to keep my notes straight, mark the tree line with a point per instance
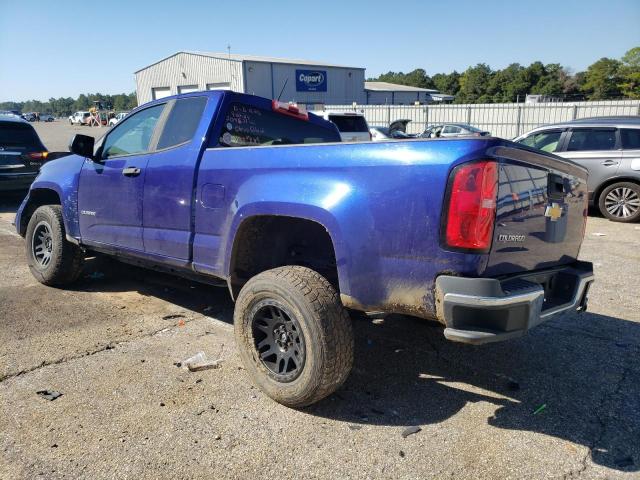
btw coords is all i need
(63, 107)
(605, 79)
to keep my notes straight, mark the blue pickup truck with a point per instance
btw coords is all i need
(477, 233)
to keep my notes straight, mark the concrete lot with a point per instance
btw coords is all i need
(57, 134)
(109, 345)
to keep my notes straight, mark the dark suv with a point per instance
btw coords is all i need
(609, 147)
(21, 153)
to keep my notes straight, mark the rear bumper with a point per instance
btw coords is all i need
(484, 310)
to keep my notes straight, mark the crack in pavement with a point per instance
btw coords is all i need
(602, 424)
(108, 346)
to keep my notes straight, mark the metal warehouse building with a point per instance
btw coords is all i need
(384, 93)
(302, 81)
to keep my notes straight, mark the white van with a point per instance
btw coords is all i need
(353, 126)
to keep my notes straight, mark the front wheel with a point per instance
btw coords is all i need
(295, 337)
(620, 202)
(52, 259)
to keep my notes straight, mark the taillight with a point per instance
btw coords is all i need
(471, 212)
(39, 155)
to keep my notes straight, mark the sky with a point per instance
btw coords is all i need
(54, 48)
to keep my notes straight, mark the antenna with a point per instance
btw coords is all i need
(283, 85)
(230, 68)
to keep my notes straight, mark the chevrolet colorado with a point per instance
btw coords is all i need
(480, 234)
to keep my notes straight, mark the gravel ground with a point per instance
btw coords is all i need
(57, 134)
(109, 345)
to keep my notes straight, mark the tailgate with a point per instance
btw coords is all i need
(541, 212)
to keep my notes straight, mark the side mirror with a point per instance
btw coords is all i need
(82, 145)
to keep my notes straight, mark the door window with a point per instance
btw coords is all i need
(132, 135)
(630, 138)
(182, 122)
(545, 141)
(592, 139)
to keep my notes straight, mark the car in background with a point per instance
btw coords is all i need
(396, 130)
(119, 116)
(29, 117)
(609, 147)
(352, 126)
(446, 130)
(45, 117)
(21, 153)
(79, 118)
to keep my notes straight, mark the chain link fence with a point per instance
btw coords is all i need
(506, 120)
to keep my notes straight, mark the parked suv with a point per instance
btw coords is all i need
(79, 118)
(21, 153)
(352, 126)
(609, 147)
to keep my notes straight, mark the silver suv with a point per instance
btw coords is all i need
(609, 147)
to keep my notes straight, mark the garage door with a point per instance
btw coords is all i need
(160, 92)
(187, 88)
(219, 86)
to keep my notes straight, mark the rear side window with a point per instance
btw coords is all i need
(248, 126)
(545, 141)
(349, 123)
(182, 122)
(630, 138)
(18, 135)
(592, 139)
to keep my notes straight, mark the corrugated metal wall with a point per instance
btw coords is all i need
(268, 79)
(506, 120)
(258, 78)
(188, 69)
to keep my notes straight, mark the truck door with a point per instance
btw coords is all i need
(170, 178)
(111, 189)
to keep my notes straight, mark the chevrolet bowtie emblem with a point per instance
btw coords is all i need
(553, 211)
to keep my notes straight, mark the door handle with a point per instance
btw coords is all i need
(131, 172)
(608, 163)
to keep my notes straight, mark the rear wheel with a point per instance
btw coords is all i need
(52, 259)
(294, 335)
(620, 202)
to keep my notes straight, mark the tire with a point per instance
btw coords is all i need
(620, 202)
(52, 259)
(318, 329)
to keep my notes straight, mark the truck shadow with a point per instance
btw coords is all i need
(579, 383)
(579, 372)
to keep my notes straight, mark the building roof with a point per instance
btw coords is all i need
(394, 87)
(254, 58)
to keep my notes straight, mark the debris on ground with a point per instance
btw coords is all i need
(355, 427)
(540, 409)
(599, 234)
(410, 431)
(50, 395)
(199, 362)
(173, 316)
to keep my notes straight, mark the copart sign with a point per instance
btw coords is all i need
(311, 81)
